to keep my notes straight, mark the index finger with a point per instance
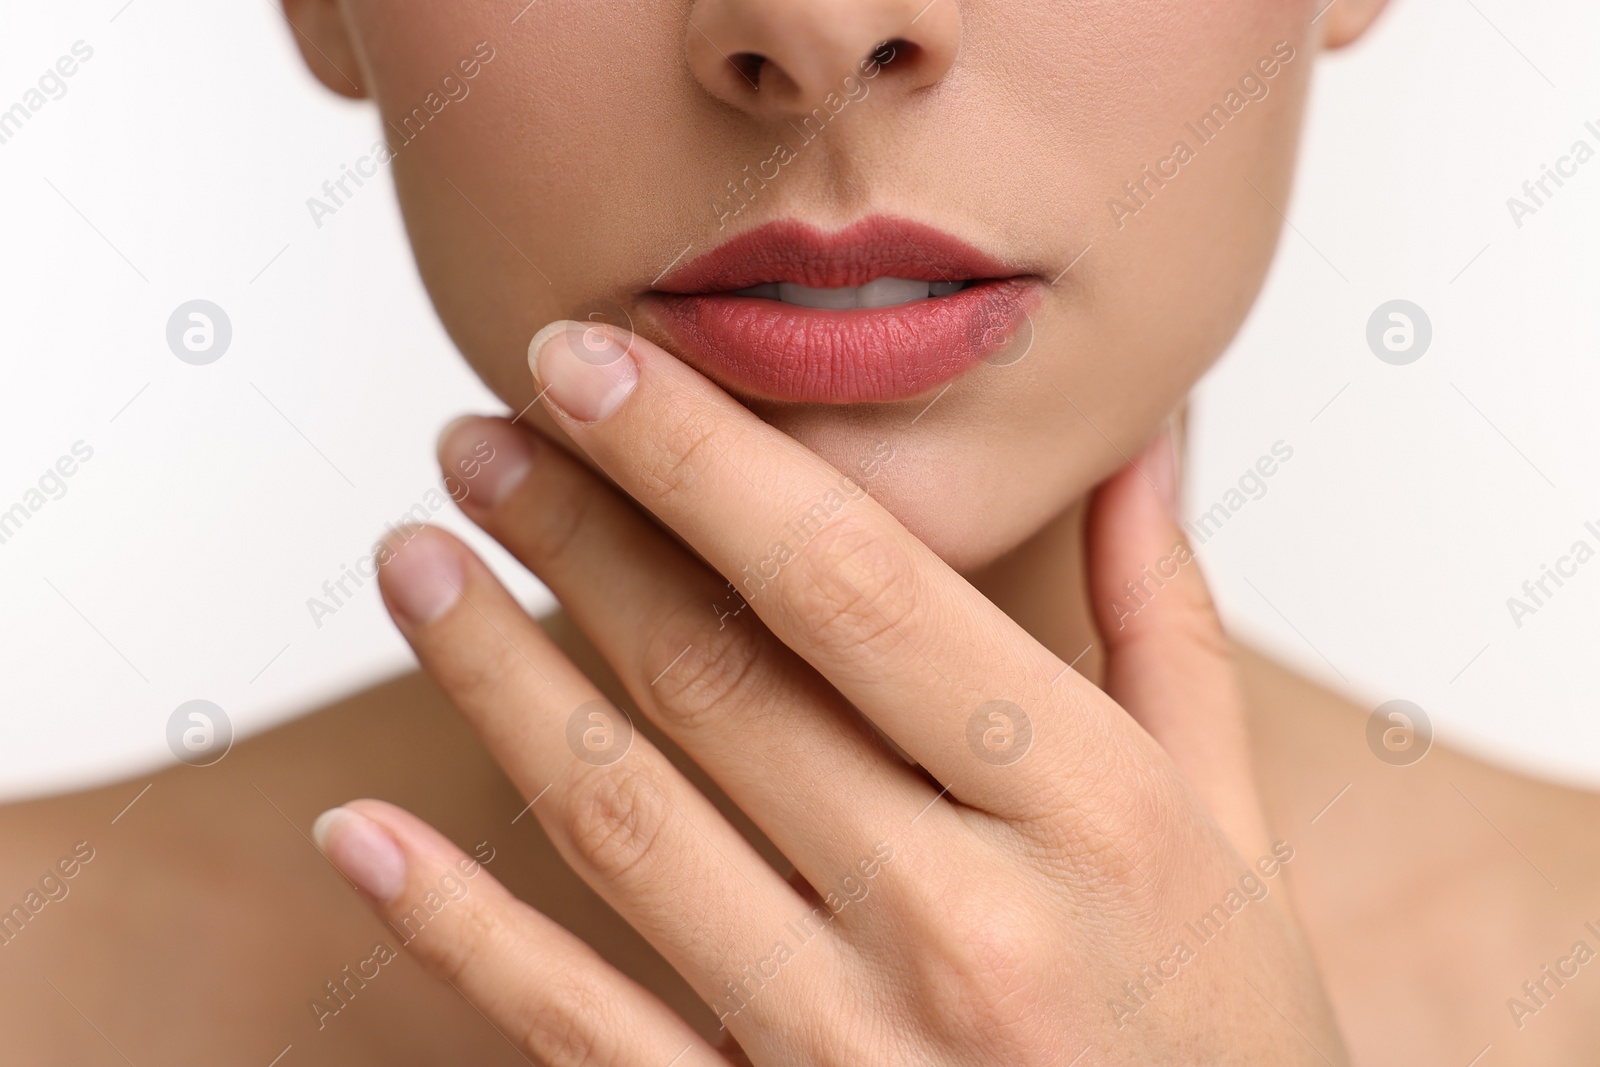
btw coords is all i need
(941, 670)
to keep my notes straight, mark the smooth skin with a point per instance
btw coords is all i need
(207, 928)
(1013, 896)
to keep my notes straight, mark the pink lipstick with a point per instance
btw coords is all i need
(883, 310)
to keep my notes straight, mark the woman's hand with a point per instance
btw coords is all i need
(1071, 877)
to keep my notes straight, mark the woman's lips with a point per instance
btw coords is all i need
(787, 352)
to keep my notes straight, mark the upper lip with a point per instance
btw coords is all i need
(878, 246)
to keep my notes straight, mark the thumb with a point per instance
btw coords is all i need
(1168, 662)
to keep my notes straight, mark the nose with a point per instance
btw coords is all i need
(778, 58)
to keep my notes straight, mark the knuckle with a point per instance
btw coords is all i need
(478, 673)
(1202, 628)
(715, 670)
(617, 824)
(681, 453)
(462, 950)
(855, 591)
(1102, 855)
(982, 978)
(552, 527)
(1193, 624)
(1187, 620)
(565, 1024)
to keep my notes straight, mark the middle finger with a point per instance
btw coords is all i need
(834, 576)
(627, 821)
(784, 745)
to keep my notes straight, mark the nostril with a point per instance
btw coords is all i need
(772, 58)
(896, 50)
(749, 65)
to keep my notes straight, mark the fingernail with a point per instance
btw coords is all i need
(421, 573)
(363, 850)
(1159, 462)
(483, 460)
(582, 369)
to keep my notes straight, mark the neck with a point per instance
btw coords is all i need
(1041, 584)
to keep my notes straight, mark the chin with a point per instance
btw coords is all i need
(991, 520)
(967, 500)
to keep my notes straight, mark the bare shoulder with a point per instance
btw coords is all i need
(185, 916)
(1434, 889)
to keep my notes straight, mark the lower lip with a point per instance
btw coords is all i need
(786, 352)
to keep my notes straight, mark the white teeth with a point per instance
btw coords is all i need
(878, 293)
(826, 299)
(886, 292)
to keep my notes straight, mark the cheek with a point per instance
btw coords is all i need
(1175, 251)
(532, 198)
(540, 196)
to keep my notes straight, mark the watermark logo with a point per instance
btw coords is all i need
(1140, 593)
(52, 485)
(594, 344)
(1538, 192)
(1006, 340)
(406, 127)
(1399, 332)
(1142, 988)
(1251, 485)
(199, 332)
(999, 733)
(199, 733)
(51, 86)
(741, 192)
(352, 578)
(749, 980)
(599, 733)
(1538, 991)
(802, 529)
(1537, 591)
(51, 888)
(1399, 733)
(1253, 87)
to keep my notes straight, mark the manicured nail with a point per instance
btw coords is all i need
(421, 573)
(1159, 463)
(582, 369)
(363, 850)
(483, 460)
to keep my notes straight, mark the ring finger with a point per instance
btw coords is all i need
(636, 830)
(547, 992)
(694, 658)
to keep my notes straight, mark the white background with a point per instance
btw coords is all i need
(178, 563)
